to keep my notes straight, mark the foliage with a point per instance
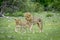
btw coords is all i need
(49, 15)
(16, 14)
(12, 6)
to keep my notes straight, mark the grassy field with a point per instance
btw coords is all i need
(51, 28)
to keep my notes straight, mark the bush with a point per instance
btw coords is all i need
(49, 15)
(18, 14)
(7, 14)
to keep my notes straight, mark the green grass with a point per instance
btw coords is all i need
(51, 28)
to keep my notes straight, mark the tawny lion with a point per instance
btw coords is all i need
(21, 25)
(32, 20)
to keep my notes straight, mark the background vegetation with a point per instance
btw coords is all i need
(11, 7)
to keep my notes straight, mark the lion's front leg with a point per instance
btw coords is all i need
(40, 26)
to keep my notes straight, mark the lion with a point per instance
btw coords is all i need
(21, 25)
(33, 20)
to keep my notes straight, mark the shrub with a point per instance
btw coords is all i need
(49, 15)
(18, 14)
(6, 14)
